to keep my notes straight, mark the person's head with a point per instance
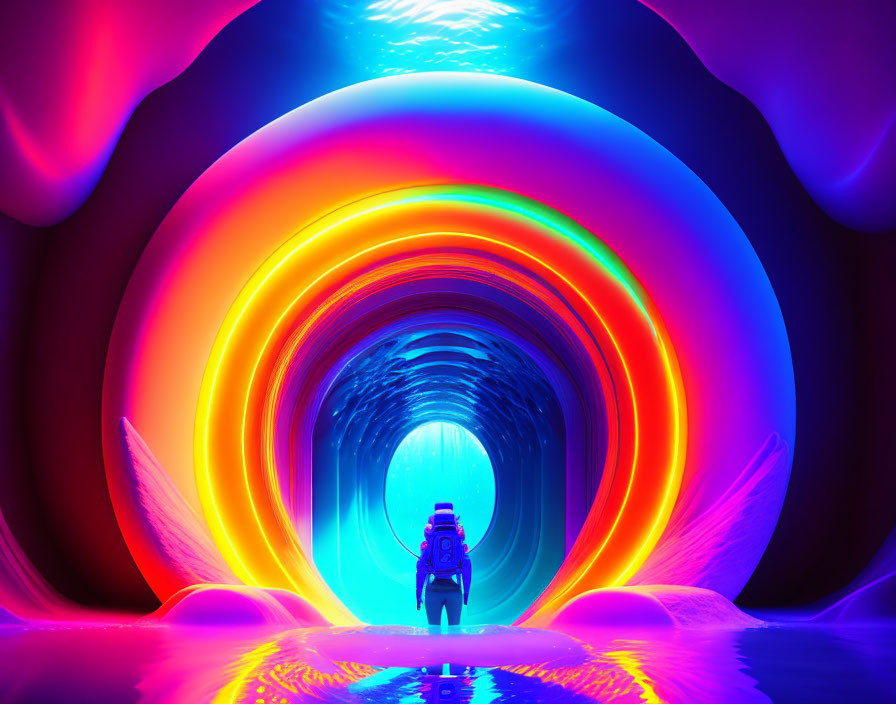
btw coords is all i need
(443, 512)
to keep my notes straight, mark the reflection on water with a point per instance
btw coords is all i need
(669, 667)
(795, 663)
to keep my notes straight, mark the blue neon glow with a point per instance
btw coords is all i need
(406, 36)
(439, 462)
(476, 385)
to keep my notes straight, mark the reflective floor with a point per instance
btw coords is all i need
(787, 663)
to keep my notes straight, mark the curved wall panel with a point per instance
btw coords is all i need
(72, 73)
(812, 69)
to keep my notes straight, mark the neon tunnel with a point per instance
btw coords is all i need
(452, 368)
(312, 312)
(548, 320)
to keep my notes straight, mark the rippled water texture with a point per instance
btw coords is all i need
(401, 36)
(786, 663)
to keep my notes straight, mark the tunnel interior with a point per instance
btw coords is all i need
(471, 357)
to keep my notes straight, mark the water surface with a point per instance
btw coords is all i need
(484, 665)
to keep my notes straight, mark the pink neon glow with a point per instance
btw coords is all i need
(171, 530)
(71, 76)
(714, 536)
(23, 591)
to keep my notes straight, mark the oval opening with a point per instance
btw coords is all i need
(439, 462)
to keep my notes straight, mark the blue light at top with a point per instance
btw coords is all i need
(405, 36)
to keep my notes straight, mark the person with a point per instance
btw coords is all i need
(443, 557)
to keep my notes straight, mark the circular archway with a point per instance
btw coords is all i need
(475, 201)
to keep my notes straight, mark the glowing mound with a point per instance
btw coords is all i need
(7, 618)
(652, 606)
(229, 605)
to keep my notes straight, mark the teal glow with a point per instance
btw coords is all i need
(406, 36)
(449, 371)
(439, 462)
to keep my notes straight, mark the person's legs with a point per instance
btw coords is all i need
(434, 600)
(453, 603)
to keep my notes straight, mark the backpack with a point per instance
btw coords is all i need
(445, 548)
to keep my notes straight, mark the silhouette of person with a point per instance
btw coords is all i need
(443, 557)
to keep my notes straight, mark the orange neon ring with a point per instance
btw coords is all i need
(247, 524)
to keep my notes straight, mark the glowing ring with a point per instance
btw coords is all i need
(392, 276)
(575, 158)
(257, 542)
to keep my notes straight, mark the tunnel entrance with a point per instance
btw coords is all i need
(515, 448)
(439, 461)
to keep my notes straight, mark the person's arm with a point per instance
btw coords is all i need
(421, 574)
(466, 570)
